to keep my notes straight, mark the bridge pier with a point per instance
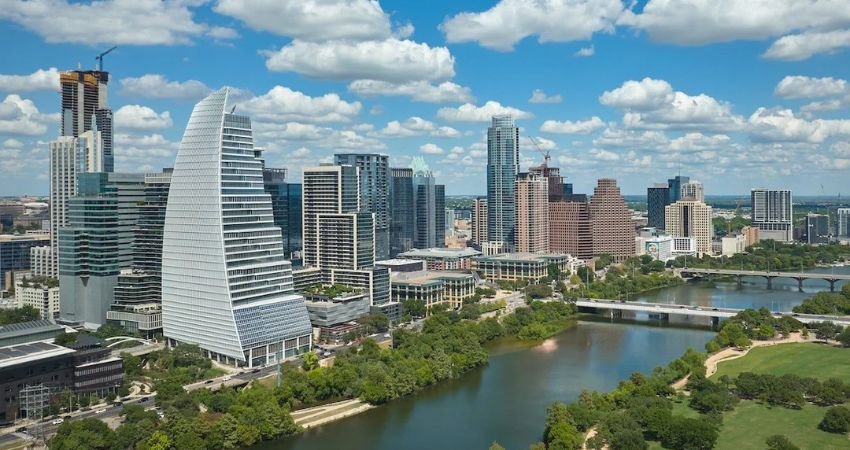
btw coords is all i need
(799, 283)
(831, 285)
(739, 280)
(715, 323)
(769, 282)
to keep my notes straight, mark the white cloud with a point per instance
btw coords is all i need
(573, 127)
(699, 142)
(20, 116)
(123, 22)
(808, 87)
(604, 155)
(391, 60)
(797, 47)
(420, 91)
(824, 105)
(40, 80)
(511, 21)
(222, 33)
(471, 113)
(431, 149)
(283, 104)
(138, 117)
(414, 126)
(274, 134)
(538, 96)
(445, 132)
(13, 143)
(781, 125)
(152, 140)
(158, 86)
(619, 138)
(545, 144)
(312, 20)
(653, 104)
(585, 52)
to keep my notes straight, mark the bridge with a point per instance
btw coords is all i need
(832, 278)
(665, 310)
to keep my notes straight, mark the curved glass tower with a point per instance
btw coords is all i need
(226, 285)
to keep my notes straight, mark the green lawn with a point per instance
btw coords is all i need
(807, 360)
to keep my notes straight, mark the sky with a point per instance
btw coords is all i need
(734, 93)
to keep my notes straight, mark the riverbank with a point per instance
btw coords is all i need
(319, 415)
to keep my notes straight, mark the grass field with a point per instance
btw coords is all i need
(808, 360)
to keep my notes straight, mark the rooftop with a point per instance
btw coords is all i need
(424, 277)
(28, 328)
(437, 252)
(24, 237)
(398, 262)
(525, 256)
(33, 351)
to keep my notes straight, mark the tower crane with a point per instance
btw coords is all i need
(545, 153)
(99, 58)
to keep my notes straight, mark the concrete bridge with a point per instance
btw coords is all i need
(665, 310)
(832, 278)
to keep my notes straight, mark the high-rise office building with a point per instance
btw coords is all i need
(374, 193)
(817, 228)
(226, 284)
(657, 197)
(429, 204)
(286, 208)
(690, 219)
(502, 168)
(692, 190)
(326, 189)
(439, 215)
(675, 185)
(611, 222)
(15, 255)
(346, 240)
(842, 222)
(69, 157)
(479, 222)
(558, 189)
(773, 214)
(401, 215)
(532, 218)
(570, 227)
(84, 108)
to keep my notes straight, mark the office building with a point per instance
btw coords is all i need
(657, 197)
(286, 209)
(502, 168)
(659, 247)
(449, 221)
(521, 266)
(817, 228)
(675, 188)
(402, 265)
(684, 246)
(611, 222)
(41, 261)
(693, 190)
(532, 216)
(732, 245)
(558, 189)
(226, 284)
(842, 222)
(326, 189)
(443, 258)
(429, 205)
(690, 219)
(84, 108)
(479, 222)
(434, 287)
(570, 227)
(40, 293)
(15, 255)
(346, 241)
(401, 214)
(374, 193)
(773, 214)
(751, 235)
(334, 305)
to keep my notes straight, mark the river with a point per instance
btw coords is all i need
(506, 400)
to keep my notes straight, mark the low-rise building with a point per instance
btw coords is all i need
(336, 304)
(732, 245)
(521, 266)
(684, 246)
(434, 287)
(401, 265)
(144, 319)
(658, 247)
(751, 234)
(41, 293)
(443, 258)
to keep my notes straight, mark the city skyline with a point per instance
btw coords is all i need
(619, 96)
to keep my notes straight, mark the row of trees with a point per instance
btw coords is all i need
(771, 255)
(827, 303)
(760, 324)
(15, 315)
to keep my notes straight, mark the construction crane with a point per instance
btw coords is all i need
(99, 58)
(546, 156)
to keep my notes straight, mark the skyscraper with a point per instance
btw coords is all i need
(693, 190)
(773, 214)
(657, 197)
(570, 227)
(84, 108)
(479, 221)
(842, 222)
(690, 219)
(401, 216)
(502, 168)
(675, 185)
(557, 188)
(429, 204)
(532, 221)
(326, 189)
(226, 285)
(286, 209)
(817, 228)
(611, 222)
(374, 193)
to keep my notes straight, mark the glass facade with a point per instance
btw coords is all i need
(374, 193)
(401, 225)
(656, 199)
(286, 209)
(502, 168)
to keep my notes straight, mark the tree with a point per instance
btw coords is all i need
(416, 308)
(826, 330)
(536, 291)
(844, 337)
(496, 446)
(563, 436)
(628, 440)
(374, 323)
(17, 315)
(689, 434)
(132, 364)
(85, 434)
(311, 361)
(603, 261)
(65, 339)
(836, 420)
(780, 442)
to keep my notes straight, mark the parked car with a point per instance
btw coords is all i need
(226, 378)
(100, 411)
(21, 430)
(58, 421)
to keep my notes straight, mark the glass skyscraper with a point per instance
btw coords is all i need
(226, 285)
(502, 168)
(401, 216)
(286, 209)
(374, 193)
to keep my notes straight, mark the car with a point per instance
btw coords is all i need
(226, 378)
(100, 411)
(160, 414)
(118, 403)
(777, 313)
(795, 315)
(21, 430)
(715, 309)
(58, 421)
(386, 335)
(698, 308)
(208, 382)
(144, 399)
(682, 306)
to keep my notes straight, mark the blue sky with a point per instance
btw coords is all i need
(735, 93)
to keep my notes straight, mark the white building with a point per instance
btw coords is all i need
(842, 222)
(684, 246)
(732, 245)
(773, 214)
(658, 247)
(690, 218)
(39, 293)
(226, 285)
(693, 190)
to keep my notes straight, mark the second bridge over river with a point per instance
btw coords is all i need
(831, 278)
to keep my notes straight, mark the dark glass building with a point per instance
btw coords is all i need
(286, 209)
(675, 185)
(657, 198)
(401, 210)
(374, 193)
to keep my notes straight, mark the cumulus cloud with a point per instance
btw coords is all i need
(391, 60)
(573, 127)
(312, 20)
(222, 33)
(604, 155)
(414, 126)
(585, 52)
(538, 96)
(511, 21)
(20, 116)
(138, 117)
(283, 104)
(695, 141)
(419, 91)
(808, 87)
(782, 125)
(124, 22)
(431, 149)
(274, 134)
(471, 113)
(619, 138)
(40, 80)
(159, 87)
(797, 47)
